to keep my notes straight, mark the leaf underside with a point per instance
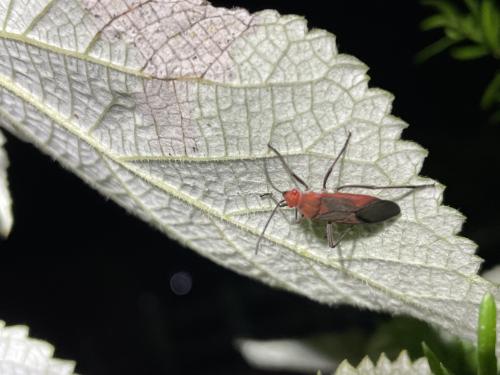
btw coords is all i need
(5, 200)
(167, 108)
(21, 354)
(401, 366)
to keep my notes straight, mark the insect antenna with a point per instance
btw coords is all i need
(287, 167)
(342, 152)
(386, 187)
(278, 205)
(268, 178)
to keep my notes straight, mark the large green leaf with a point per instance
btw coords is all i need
(167, 108)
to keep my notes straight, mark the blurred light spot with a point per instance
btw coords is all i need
(181, 283)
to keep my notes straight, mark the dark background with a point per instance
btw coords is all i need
(94, 281)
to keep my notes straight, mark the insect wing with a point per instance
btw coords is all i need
(378, 211)
(337, 210)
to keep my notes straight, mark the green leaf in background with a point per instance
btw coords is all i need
(486, 337)
(454, 34)
(490, 22)
(435, 364)
(473, 7)
(433, 22)
(471, 29)
(491, 95)
(472, 35)
(446, 8)
(469, 52)
(404, 332)
(434, 49)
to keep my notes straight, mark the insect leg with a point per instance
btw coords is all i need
(329, 234)
(385, 187)
(332, 243)
(331, 239)
(278, 205)
(297, 219)
(342, 152)
(287, 167)
(342, 237)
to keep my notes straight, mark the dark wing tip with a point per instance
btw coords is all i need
(378, 211)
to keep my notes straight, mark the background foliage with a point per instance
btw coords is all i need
(471, 30)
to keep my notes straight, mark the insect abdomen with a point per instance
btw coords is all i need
(378, 211)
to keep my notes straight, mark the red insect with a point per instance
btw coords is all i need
(341, 208)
